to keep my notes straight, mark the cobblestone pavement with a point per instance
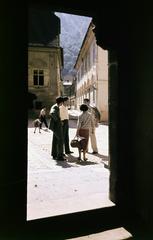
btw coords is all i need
(55, 187)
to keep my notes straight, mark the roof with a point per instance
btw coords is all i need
(43, 27)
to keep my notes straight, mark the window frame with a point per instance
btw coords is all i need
(38, 75)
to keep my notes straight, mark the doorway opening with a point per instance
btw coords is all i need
(64, 59)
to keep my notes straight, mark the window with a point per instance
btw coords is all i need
(82, 70)
(88, 60)
(94, 95)
(85, 64)
(38, 77)
(94, 52)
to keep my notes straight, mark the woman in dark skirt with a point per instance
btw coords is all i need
(85, 122)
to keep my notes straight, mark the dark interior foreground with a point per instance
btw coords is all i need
(128, 36)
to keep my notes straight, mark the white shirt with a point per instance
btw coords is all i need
(64, 113)
(42, 112)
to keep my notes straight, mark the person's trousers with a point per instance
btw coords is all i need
(43, 120)
(57, 145)
(93, 140)
(66, 135)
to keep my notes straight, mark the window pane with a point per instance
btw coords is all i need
(35, 72)
(35, 80)
(41, 80)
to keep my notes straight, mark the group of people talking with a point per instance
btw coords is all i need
(59, 124)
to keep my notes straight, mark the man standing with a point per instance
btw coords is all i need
(56, 127)
(65, 124)
(96, 118)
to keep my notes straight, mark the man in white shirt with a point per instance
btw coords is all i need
(65, 123)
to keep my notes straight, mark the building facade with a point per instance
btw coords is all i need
(69, 89)
(45, 58)
(92, 74)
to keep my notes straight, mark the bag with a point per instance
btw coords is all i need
(75, 143)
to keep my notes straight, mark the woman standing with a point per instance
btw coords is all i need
(85, 122)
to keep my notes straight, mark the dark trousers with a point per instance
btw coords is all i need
(66, 135)
(57, 143)
(43, 120)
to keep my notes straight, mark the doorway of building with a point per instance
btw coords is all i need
(64, 59)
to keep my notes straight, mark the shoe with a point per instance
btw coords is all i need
(54, 157)
(69, 152)
(94, 152)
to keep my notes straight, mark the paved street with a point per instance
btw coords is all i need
(55, 187)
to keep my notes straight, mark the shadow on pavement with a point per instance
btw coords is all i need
(85, 163)
(71, 159)
(63, 164)
(103, 157)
